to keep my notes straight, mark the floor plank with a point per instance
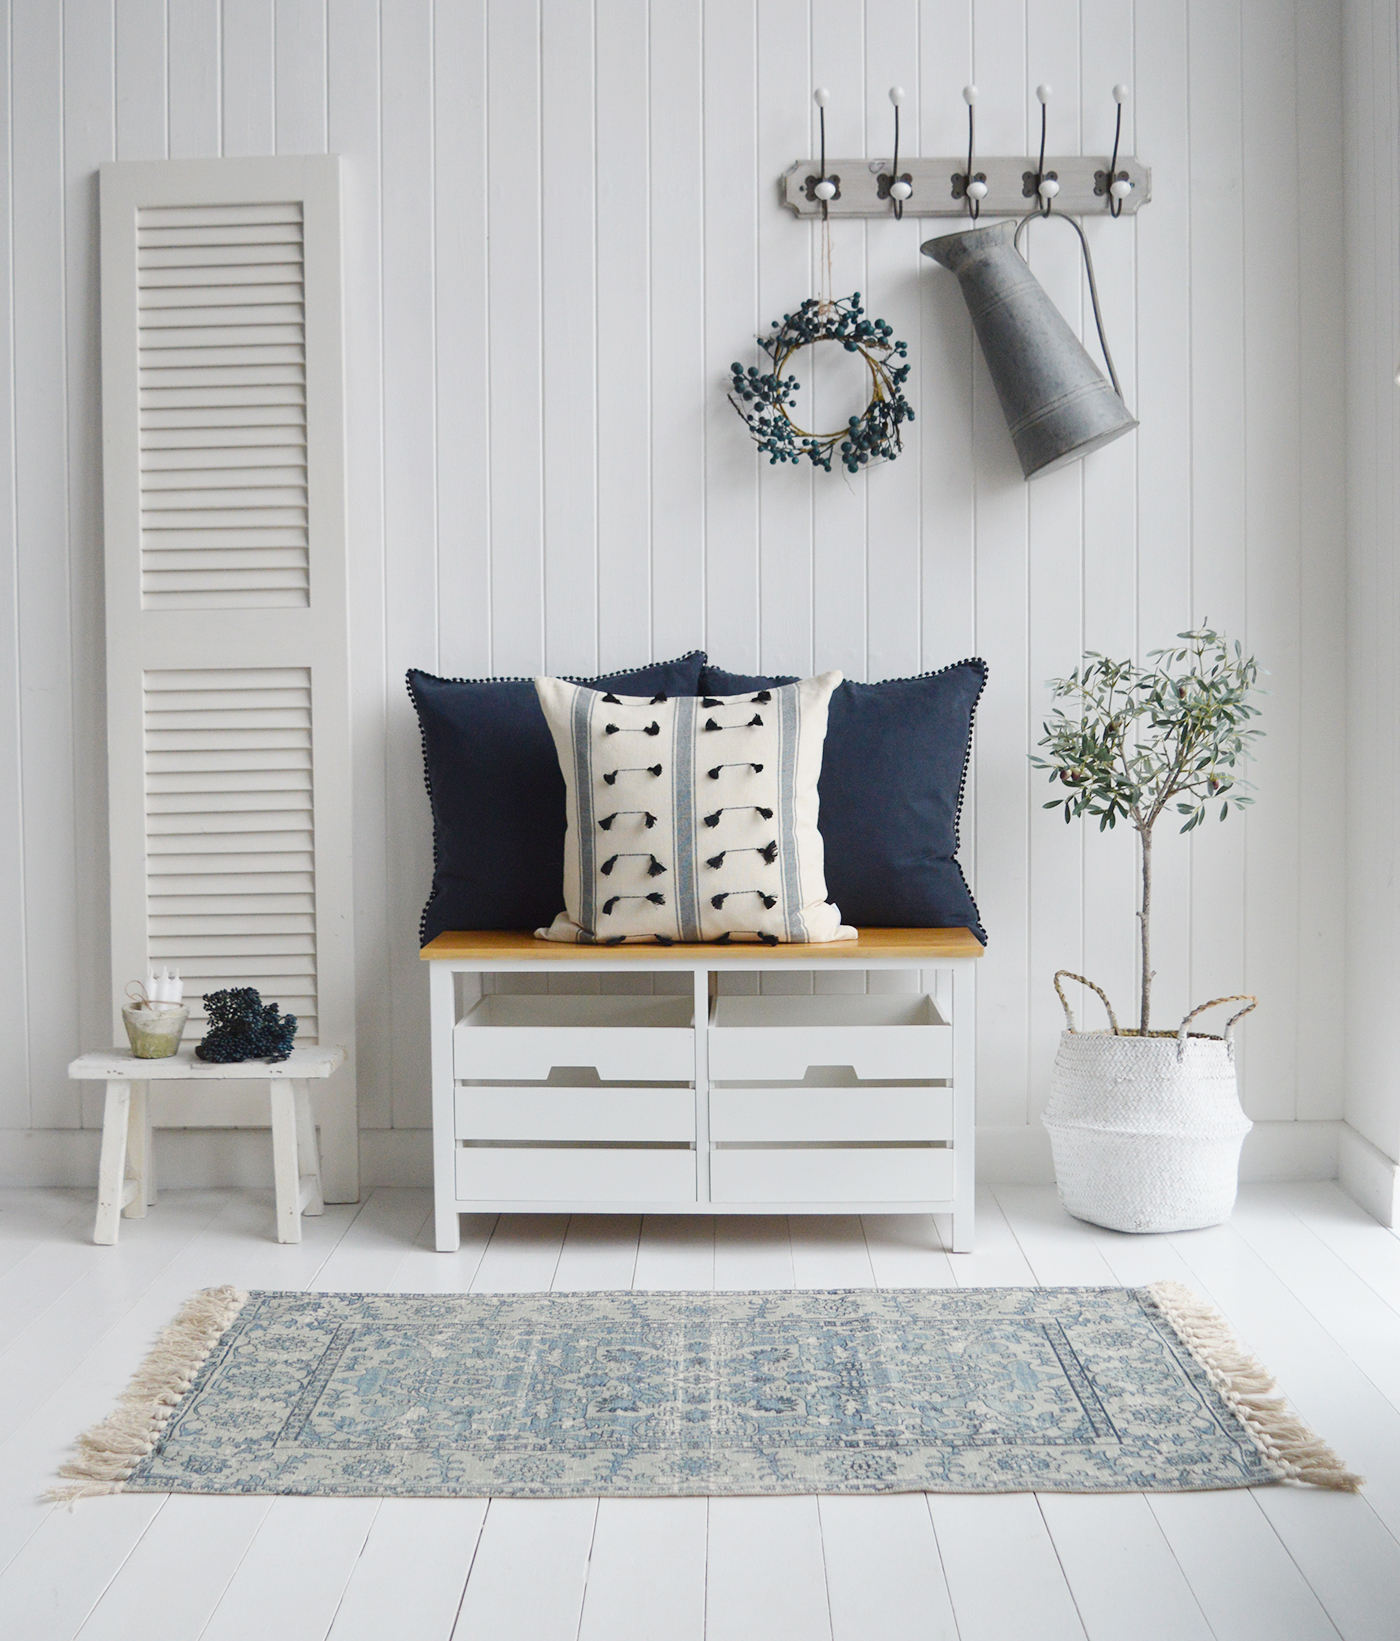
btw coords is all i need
(47, 1592)
(599, 1252)
(675, 1252)
(1247, 1584)
(522, 1254)
(370, 1254)
(883, 1574)
(997, 1260)
(169, 1586)
(1055, 1247)
(646, 1576)
(906, 1251)
(1120, 1569)
(829, 1251)
(530, 1569)
(753, 1251)
(410, 1575)
(1003, 1575)
(1348, 1558)
(1350, 1232)
(766, 1577)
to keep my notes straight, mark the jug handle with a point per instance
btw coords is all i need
(1039, 216)
(1069, 1013)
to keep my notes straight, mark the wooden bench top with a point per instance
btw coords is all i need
(116, 1062)
(907, 945)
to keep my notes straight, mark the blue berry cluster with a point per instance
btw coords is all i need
(243, 1027)
(763, 399)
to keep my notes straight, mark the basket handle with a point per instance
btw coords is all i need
(1069, 1012)
(1215, 1002)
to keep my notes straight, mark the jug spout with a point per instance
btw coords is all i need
(1057, 404)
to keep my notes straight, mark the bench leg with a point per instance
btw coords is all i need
(111, 1170)
(138, 1152)
(308, 1152)
(285, 1175)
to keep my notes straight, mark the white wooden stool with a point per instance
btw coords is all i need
(126, 1181)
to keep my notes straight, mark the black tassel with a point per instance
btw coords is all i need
(655, 899)
(656, 868)
(725, 938)
(717, 901)
(767, 939)
(714, 820)
(653, 728)
(763, 697)
(716, 860)
(610, 729)
(615, 940)
(610, 779)
(663, 940)
(756, 722)
(770, 901)
(714, 773)
(658, 699)
(712, 701)
(770, 851)
(612, 700)
(609, 904)
(608, 864)
(605, 821)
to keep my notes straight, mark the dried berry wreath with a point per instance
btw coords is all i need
(243, 1027)
(763, 400)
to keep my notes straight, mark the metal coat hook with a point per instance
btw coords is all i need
(1040, 184)
(890, 184)
(1114, 182)
(969, 185)
(823, 188)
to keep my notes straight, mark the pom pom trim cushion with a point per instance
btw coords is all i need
(892, 783)
(496, 794)
(692, 818)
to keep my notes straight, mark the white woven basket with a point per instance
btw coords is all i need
(1146, 1131)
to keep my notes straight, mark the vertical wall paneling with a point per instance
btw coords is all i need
(299, 76)
(410, 523)
(1371, 101)
(1055, 564)
(353, 116)
(44, 574)
(1321, 688)
(568, 271)
(88, 110)
(14, 1023)
(560, 226)
(1002, 503)
(194, 46)
(680, 359)
(1218, 455)
(249, 77)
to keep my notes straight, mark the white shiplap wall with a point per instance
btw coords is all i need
(561, 226)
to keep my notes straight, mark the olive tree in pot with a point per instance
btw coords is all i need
(1145, 1125)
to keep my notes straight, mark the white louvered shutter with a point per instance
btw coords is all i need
(227, 643)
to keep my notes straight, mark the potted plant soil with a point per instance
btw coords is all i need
(1146, 1125)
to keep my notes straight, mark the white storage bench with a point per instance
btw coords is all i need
(692, 1101)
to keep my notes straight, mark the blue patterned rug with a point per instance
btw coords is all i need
(974, 1390)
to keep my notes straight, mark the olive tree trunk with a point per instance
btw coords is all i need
(1144, 920)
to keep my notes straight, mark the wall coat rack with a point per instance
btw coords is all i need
(1078, 184)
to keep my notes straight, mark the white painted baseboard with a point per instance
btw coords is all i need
(403, 1156)
(1368, 1176)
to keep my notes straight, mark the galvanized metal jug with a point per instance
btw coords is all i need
(1056, 402)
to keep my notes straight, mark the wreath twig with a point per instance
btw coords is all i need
(763, 400)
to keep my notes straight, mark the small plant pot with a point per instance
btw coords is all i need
(155, 1033)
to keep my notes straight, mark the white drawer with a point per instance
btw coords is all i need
(624, 1039)
(830, 1174)
(796, 1114)
(885, 1037)
(557, 1174)
(556, 1113)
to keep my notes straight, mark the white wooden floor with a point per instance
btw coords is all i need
(1307, 1279)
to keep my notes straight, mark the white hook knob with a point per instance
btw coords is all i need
(1049, 188)
(900, 190)
(825, 189)
(896, 95)
(1043, 92)
(1120, 188)
(969, 94)
(1120, 93)
(821, 96)
(977, 190)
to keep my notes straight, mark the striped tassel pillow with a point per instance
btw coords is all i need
(692, 818)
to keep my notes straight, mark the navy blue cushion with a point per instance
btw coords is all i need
(497, 795)
(891, 790)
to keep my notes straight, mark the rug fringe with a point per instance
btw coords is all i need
(1290, 1449)
(111, 1450)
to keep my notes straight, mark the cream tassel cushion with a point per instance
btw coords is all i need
(693, 818)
